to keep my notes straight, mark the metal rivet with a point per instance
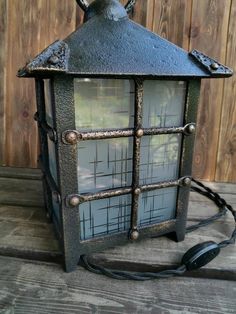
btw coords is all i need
(187, 181)
(53, 59)
(137, 191)
(74, 201)
(134, 235)
(191, 128)
(71, 137)
(215, 66)
(139, 133)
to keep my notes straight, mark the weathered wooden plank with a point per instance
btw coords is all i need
(21, 192)
(30, 28)
(172, 20)
(35, 288)
(20, 173)
(209, 35)
(226, 163)
(3, 54)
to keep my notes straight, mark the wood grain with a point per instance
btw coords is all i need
(3, 53)
(30, 29)
(226, 162)
(172, 20)
(209, 35)
(31, 287)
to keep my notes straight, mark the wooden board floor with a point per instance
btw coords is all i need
(25, 232)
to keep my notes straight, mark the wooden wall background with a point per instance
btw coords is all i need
(28, 26)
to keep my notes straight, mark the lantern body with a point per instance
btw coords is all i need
(117, 108)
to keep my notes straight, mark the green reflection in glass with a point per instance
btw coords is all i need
(103, 104)
(163, 103)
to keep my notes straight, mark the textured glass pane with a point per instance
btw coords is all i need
(103, 104)
(103, 217)
(105, 164)
(160, 155)
(157, 206)
(163, 103)
(48, 102)
(52, 159)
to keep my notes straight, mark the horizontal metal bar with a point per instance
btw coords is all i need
(104, 194)
(105, 134)
(46, 128)
(111, 133)
(118, 192)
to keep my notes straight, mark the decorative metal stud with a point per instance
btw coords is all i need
(190, 129)
(71, 137)
(74, 201)
(187, 181)
(134, 235)
(139, 133)
(215, 66)
(53, 60)
(137, 191)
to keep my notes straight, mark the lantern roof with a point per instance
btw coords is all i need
(110, 44)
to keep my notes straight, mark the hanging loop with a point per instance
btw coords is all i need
(84, 5)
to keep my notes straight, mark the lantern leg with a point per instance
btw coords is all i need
(177, 236)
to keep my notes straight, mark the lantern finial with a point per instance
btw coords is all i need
(101, 6)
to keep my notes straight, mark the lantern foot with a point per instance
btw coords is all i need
(177, 236)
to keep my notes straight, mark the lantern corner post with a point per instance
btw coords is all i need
(190, 117)
(63, 91)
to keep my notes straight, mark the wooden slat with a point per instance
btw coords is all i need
(31, 288)
(172, 20)
(20, 173)
(209, 35)
(226, 163)
(21, 192)
(3, 54)
(31, 27)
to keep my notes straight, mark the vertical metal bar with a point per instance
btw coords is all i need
(41, 109)
(186, 159)
(136, 157)
(63, 91)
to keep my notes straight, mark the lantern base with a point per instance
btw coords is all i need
(177, 236)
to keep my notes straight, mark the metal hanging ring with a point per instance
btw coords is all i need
(84, 5)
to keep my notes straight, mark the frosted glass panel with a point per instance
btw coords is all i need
(105, 164)
(103, 217)
(52, 159)
(163, 103)
(160, 156)
(103, 104)
(157, 206)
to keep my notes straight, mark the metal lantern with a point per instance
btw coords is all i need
(116, 109)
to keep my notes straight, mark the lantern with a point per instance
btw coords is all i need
(116, 109)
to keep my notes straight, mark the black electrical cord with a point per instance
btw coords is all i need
(198, 256)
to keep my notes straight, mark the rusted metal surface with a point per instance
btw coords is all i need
(96, 49)
(52, 59)
(84, 5)
(138, 117)
(215, 68)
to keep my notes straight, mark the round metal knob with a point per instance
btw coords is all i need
(74, 201)
(215, 66)
(139, 133)
(187, 181)
(190, 129)
(134, 235)
(137, 191)
(71, 137)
